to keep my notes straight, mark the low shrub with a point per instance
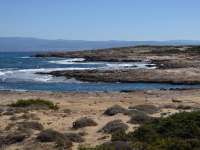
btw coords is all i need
(36, 103)
(50, 135)
(30, 125)
(83, 122)
(114, 110)
(180, 131)
(74, 137)
(114, 126)
(140, 119)
(146, 108)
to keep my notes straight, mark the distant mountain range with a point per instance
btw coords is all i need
(9, 44)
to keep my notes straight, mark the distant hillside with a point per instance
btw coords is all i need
(34, 44)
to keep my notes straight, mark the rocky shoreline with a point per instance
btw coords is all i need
(174, 64)
(178, 76)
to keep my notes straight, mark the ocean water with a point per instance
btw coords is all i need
(18, 72)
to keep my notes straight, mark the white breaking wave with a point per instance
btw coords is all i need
(1, 73)
(30, 75)
(130, 66)
(67, 61)
(120, 65)
(104, 65)
(25, 57)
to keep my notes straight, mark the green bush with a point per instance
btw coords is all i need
(180, 131)
(34, 103)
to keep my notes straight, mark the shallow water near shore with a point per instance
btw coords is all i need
(17, 72)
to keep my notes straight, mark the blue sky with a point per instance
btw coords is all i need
(101, 19)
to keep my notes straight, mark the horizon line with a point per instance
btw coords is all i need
(171, 40)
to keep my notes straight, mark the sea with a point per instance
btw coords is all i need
(18, 73)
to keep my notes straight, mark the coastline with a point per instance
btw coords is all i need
(171, 64)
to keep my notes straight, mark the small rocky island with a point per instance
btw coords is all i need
(172, 64)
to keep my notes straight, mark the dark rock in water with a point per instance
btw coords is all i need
(140, 119)
(114, 110)
(83, 122)
(149, 109)
(53, 136)
(117, 145)
(74, 137)
(114, 126)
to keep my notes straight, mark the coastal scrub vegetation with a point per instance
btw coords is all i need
(180, 131)
(83, 122)
(35, 103)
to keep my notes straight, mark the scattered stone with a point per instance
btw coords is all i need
(114, 110)
(84, 122)
(114, 126)
(147, 108)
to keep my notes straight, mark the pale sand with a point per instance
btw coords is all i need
(93, 105)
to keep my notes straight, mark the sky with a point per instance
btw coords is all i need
(101, 19)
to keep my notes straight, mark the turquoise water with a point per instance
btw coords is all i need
(17, 72)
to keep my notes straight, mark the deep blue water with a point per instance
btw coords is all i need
(17, 72)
